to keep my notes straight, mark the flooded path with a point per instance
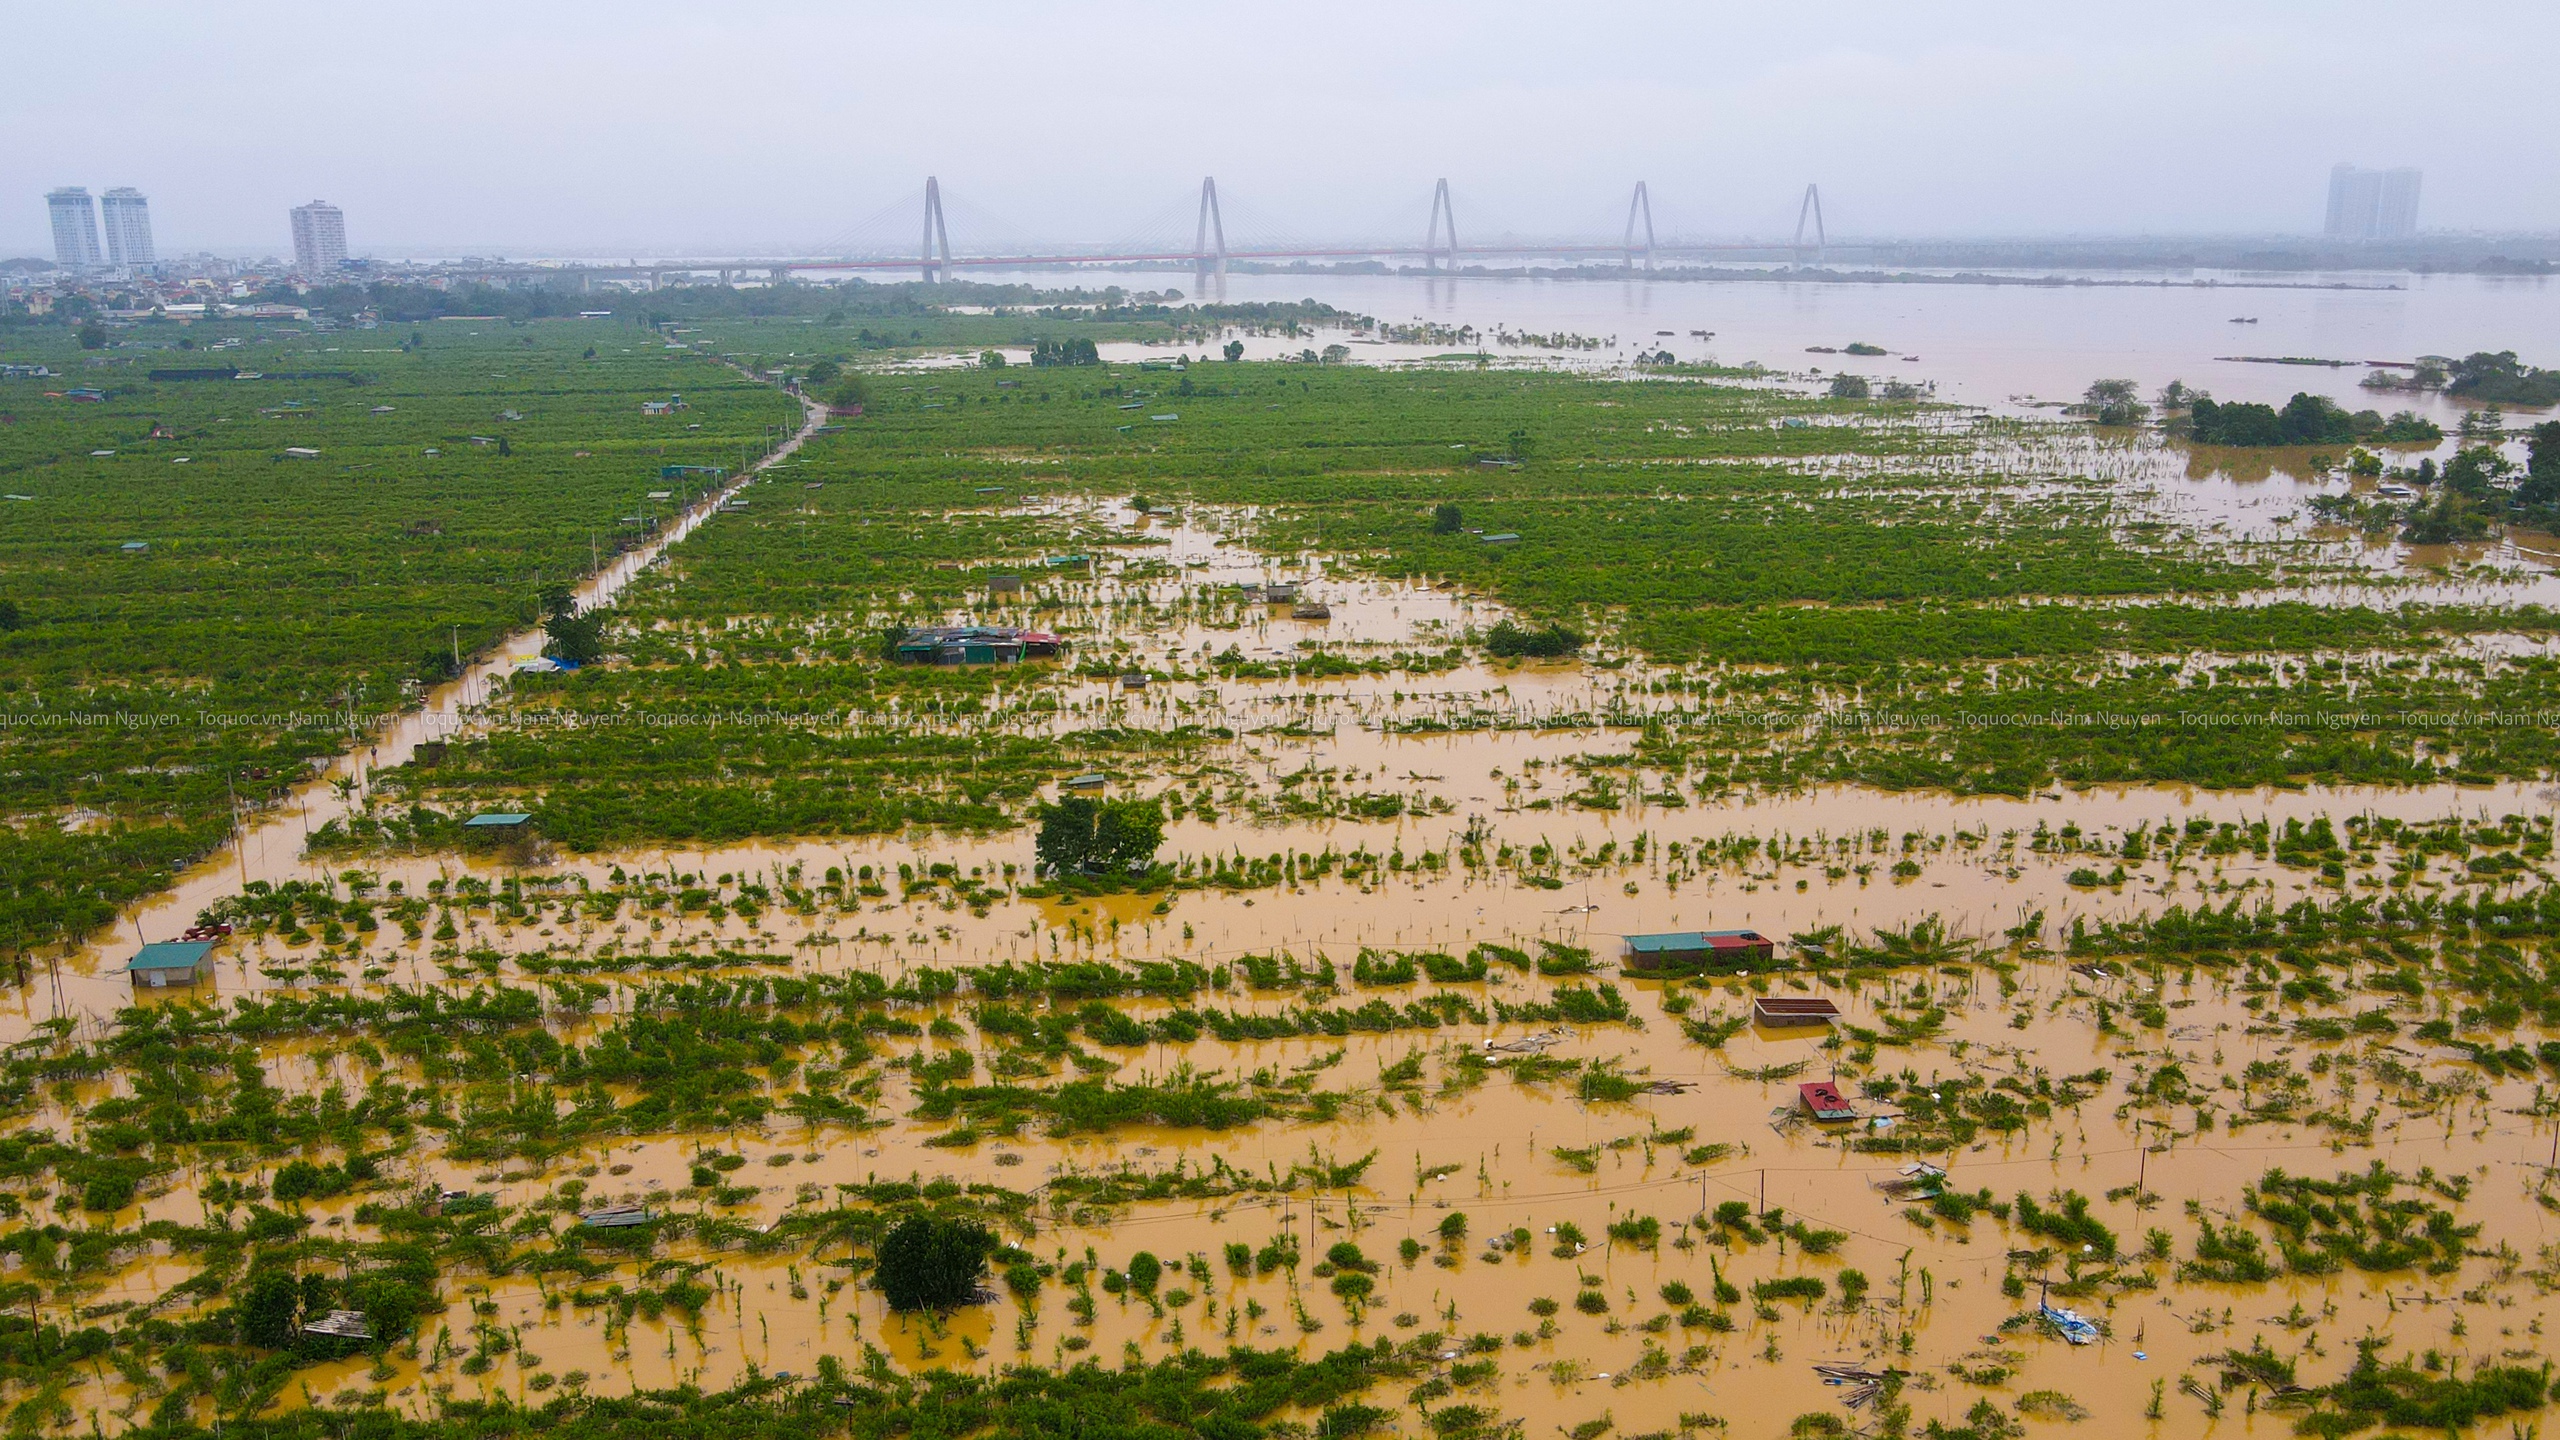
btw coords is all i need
(269, 845)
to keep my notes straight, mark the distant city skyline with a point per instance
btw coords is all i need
(1981, 119)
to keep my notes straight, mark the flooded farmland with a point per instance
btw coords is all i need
(2146, 1093)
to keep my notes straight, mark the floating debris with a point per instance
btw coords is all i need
(1537, 1044)
(344, 1324)
(1917, 1181)
(2071, 1325)
(1862, 1383)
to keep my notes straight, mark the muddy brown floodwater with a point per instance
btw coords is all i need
(1512, 1147)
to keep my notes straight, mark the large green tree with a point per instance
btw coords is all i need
(1081, 834)
(2542, 471)
(929, 1263)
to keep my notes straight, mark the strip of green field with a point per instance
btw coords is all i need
(1855, 599)
(205, 574)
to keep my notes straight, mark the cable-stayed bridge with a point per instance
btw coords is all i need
(1211, 247)
(1207, 234)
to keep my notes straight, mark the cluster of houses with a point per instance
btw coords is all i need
(1738, 953)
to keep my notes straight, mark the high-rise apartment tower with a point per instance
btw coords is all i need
(128, 217)
(2372, 204)
(75, 228)
(319, 238)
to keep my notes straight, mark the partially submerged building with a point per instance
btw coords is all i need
(498, 828)
(976, 645)
(168, 962)
(1690, 952)
(1824, 1102)
(1789, 1012)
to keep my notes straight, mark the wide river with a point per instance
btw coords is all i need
(1999, 345)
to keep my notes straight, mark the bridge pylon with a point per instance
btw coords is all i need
(1441, 205)
(1213, 228)
(1812, 207)
(935, 231)
(1642, 205)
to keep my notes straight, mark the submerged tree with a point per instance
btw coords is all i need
(268, 1310)
(2541, 485)
(1514, 641)
(929, 1263)
(1080, 834)
(2306, 419)
(2114, 402)
(1074, 350)
(578, 639)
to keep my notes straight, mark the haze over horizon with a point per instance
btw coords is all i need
(655, 128)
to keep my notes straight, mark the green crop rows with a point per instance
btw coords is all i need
(142, 688)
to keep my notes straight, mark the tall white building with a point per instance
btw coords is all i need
(128, 217)
(2396, 217)
(2372, 204)
(75, 228)
(319, 238)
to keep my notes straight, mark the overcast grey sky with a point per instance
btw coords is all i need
(744, 125)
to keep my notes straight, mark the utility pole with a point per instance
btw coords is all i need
(239, 831)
